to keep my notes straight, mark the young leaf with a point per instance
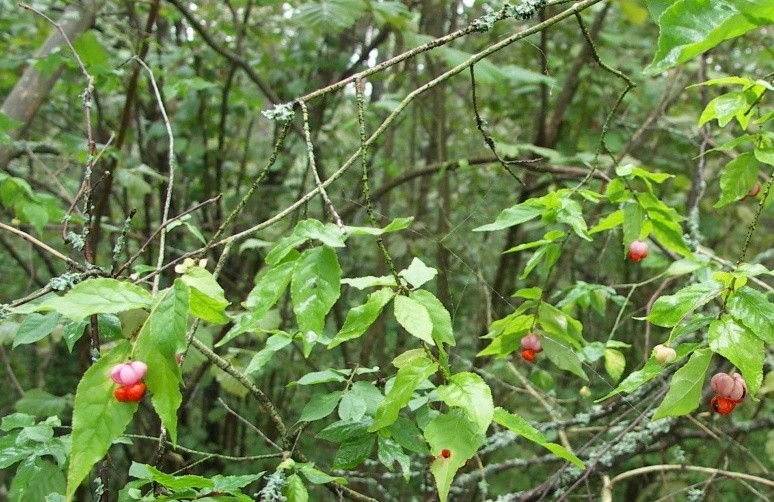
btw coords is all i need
(738, 344)
(469, 392)
(615, 363)
(360, 318)
(685, 389)
(315, 287)
(519, 426)
(418, 273)
(442, 324)
(414, 317)
(98, 418)
(295, 491)
(454, 432)
(98, 296)
(207, 300)
(409, 377)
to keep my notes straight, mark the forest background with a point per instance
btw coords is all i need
(382, 250)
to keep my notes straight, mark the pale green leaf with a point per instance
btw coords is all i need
(414, 317)
(469, 392)
(686, 386)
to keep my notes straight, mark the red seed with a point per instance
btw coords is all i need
(528, 355)
(445, 453)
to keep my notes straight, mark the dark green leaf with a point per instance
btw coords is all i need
(513, 216)
(738, 178)
(354, 452)
(563, 357)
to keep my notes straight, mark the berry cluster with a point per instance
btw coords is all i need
(729, 391)
(530, 346)
(129, 378)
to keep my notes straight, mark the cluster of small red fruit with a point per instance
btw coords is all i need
(129, 378)
(729, 391)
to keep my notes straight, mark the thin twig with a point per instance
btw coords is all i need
(42, 245)
(313, 167)
(249, 424)
(170, 174)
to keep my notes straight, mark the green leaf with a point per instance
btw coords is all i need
(352, 406)
(514, 215)
(740, 346)
(738, 178)
(295, 491)
(408, 436)
(36, 480)
(394, 226)
(563, 357)
(414, 317)
(370, 281)
(162, 335)
(519, 426)
(563, 326)
(443, 331)
(353, 452)
(418, 273)
(98, 296)
(615, 363)
(270, 285)
(409, 377)
(327, 233)
(469, 392)
(389, 452)
(685, 389)
(751, 308)
(360, 318)
(725, 107)
(35, 327)
(332, 16)
(571, 214)
(690, 27)
(41, 403)
(315, 288)
(317, 476)
(324, 376)
(669, 310)
(648, 372)
(612, 220)
(343, 430)
(98, 418)
(454, 432)
(320, 406)
(274, 344)
(207, 300)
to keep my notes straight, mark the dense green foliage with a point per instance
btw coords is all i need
(327, 227)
